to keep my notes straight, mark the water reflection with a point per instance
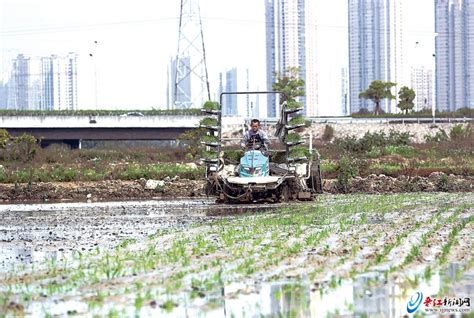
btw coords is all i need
(369, 295)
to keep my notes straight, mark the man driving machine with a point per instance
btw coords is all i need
(255, 137)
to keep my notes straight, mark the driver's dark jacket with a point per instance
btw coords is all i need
(258, 138)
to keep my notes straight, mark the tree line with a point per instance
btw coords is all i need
(379, 90)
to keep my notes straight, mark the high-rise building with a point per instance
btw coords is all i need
(44, 83)
(454, 25)
(3, 95)
(375, 49)
(69, 80)
(345, 92)
(233, 80)
(20, 83)
(47, 83)
(422, 84)
(229, 106)
(58, 82)
(179, 94)
(291, 42)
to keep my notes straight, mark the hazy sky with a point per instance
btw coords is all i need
(136, 40)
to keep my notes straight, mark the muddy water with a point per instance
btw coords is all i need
(33, 233)
(30, 234)
(367, 295)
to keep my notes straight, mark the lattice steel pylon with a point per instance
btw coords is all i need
(191, 82)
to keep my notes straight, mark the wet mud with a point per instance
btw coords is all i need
(32, 233)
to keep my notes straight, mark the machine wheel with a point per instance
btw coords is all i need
(315, 180)
(211, 185)
(285, 193)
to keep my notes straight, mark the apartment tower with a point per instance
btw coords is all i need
(291, 42)
(375, 49)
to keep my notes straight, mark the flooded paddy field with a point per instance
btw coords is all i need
(342, 255)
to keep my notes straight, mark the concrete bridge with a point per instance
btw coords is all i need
(72, 130)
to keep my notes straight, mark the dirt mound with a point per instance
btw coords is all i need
(109, 190)
(114, 190)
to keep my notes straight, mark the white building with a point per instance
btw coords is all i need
(422, 82)
(237, 80)
(45, 83)
(345, 110)
(291, 42)
(454, 54)
(179, 93)
(375, 49)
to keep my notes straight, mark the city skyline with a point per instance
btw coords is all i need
(132, 72)
(42, 83)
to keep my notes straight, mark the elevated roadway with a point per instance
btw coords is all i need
(73, 129)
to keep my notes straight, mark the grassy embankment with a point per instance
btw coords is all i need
(392, 154)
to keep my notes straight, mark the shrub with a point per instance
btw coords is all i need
(372, 141)
(328, 133)
(328, 167)
(457, 131)
(346, 169)
(25, 147)
(443, 183)
(210, 105)
(134, 172)
(3, 174)
(62, 174)
(191, 139)
(440, 136)
(405, 151)
(4, 138)
(374, 153)
(93, 175)
(397, 138)
(387, 168)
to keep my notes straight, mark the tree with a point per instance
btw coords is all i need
(377, 91)
(289, 83)
(291, 86)
(406, 96)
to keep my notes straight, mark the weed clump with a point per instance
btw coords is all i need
(372, 141)
(346, 170)
(443, 183)
(328, 133)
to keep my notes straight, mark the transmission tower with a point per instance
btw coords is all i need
(191, 84)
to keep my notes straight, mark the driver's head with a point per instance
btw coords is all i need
(255, 125)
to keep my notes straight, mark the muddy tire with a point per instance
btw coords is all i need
(285, 193)
(212, 185)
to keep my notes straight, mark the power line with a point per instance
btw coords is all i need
(78, 27)
(236, 21)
